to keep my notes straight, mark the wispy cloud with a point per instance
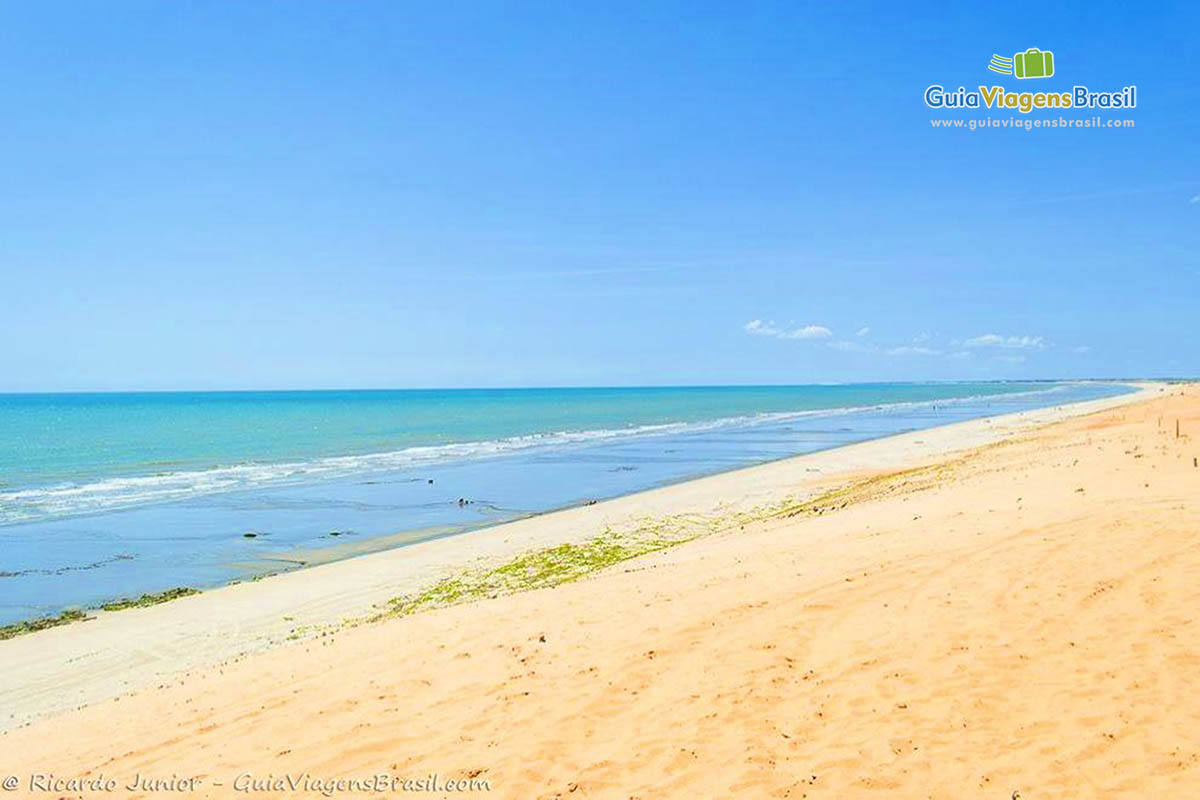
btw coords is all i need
(1083, 348)
(809, 332)
(1128, 191)
(923, 345)
(1007, 342)
(849, 346)
(1195, 199)
(914, 350)
(758, 327)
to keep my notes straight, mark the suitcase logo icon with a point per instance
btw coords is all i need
(1033, 63)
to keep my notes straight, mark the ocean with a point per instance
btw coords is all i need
(106, 496)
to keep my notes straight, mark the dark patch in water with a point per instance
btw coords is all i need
(376, 482)
(64, 570)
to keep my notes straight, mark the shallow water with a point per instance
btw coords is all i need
(162, 490)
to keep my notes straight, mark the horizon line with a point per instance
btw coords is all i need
(294, 390)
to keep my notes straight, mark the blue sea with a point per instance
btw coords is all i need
(105, 496)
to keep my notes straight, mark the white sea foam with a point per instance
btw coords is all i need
(122, 492)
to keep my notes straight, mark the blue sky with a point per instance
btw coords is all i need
(327, 194)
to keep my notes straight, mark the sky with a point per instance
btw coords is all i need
(338, 195)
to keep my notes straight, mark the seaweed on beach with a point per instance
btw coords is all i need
(80, 615)
(545, 568)
(148, 600)
(42, 623)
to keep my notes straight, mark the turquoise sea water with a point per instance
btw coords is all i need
(111, 495)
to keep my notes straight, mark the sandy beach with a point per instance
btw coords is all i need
(1001, 608)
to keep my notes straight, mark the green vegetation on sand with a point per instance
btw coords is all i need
(41, 624)
(79, 615)
(147, 600)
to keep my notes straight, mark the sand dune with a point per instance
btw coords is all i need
(1017, 621)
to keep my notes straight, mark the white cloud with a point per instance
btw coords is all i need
(809, 332)
(1083, 348)
(921, 338)
(863, 331)
(759, 328)
(1010, 359)
(1008, 342)
(851, 346)
(912, 351)
(962, 355)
